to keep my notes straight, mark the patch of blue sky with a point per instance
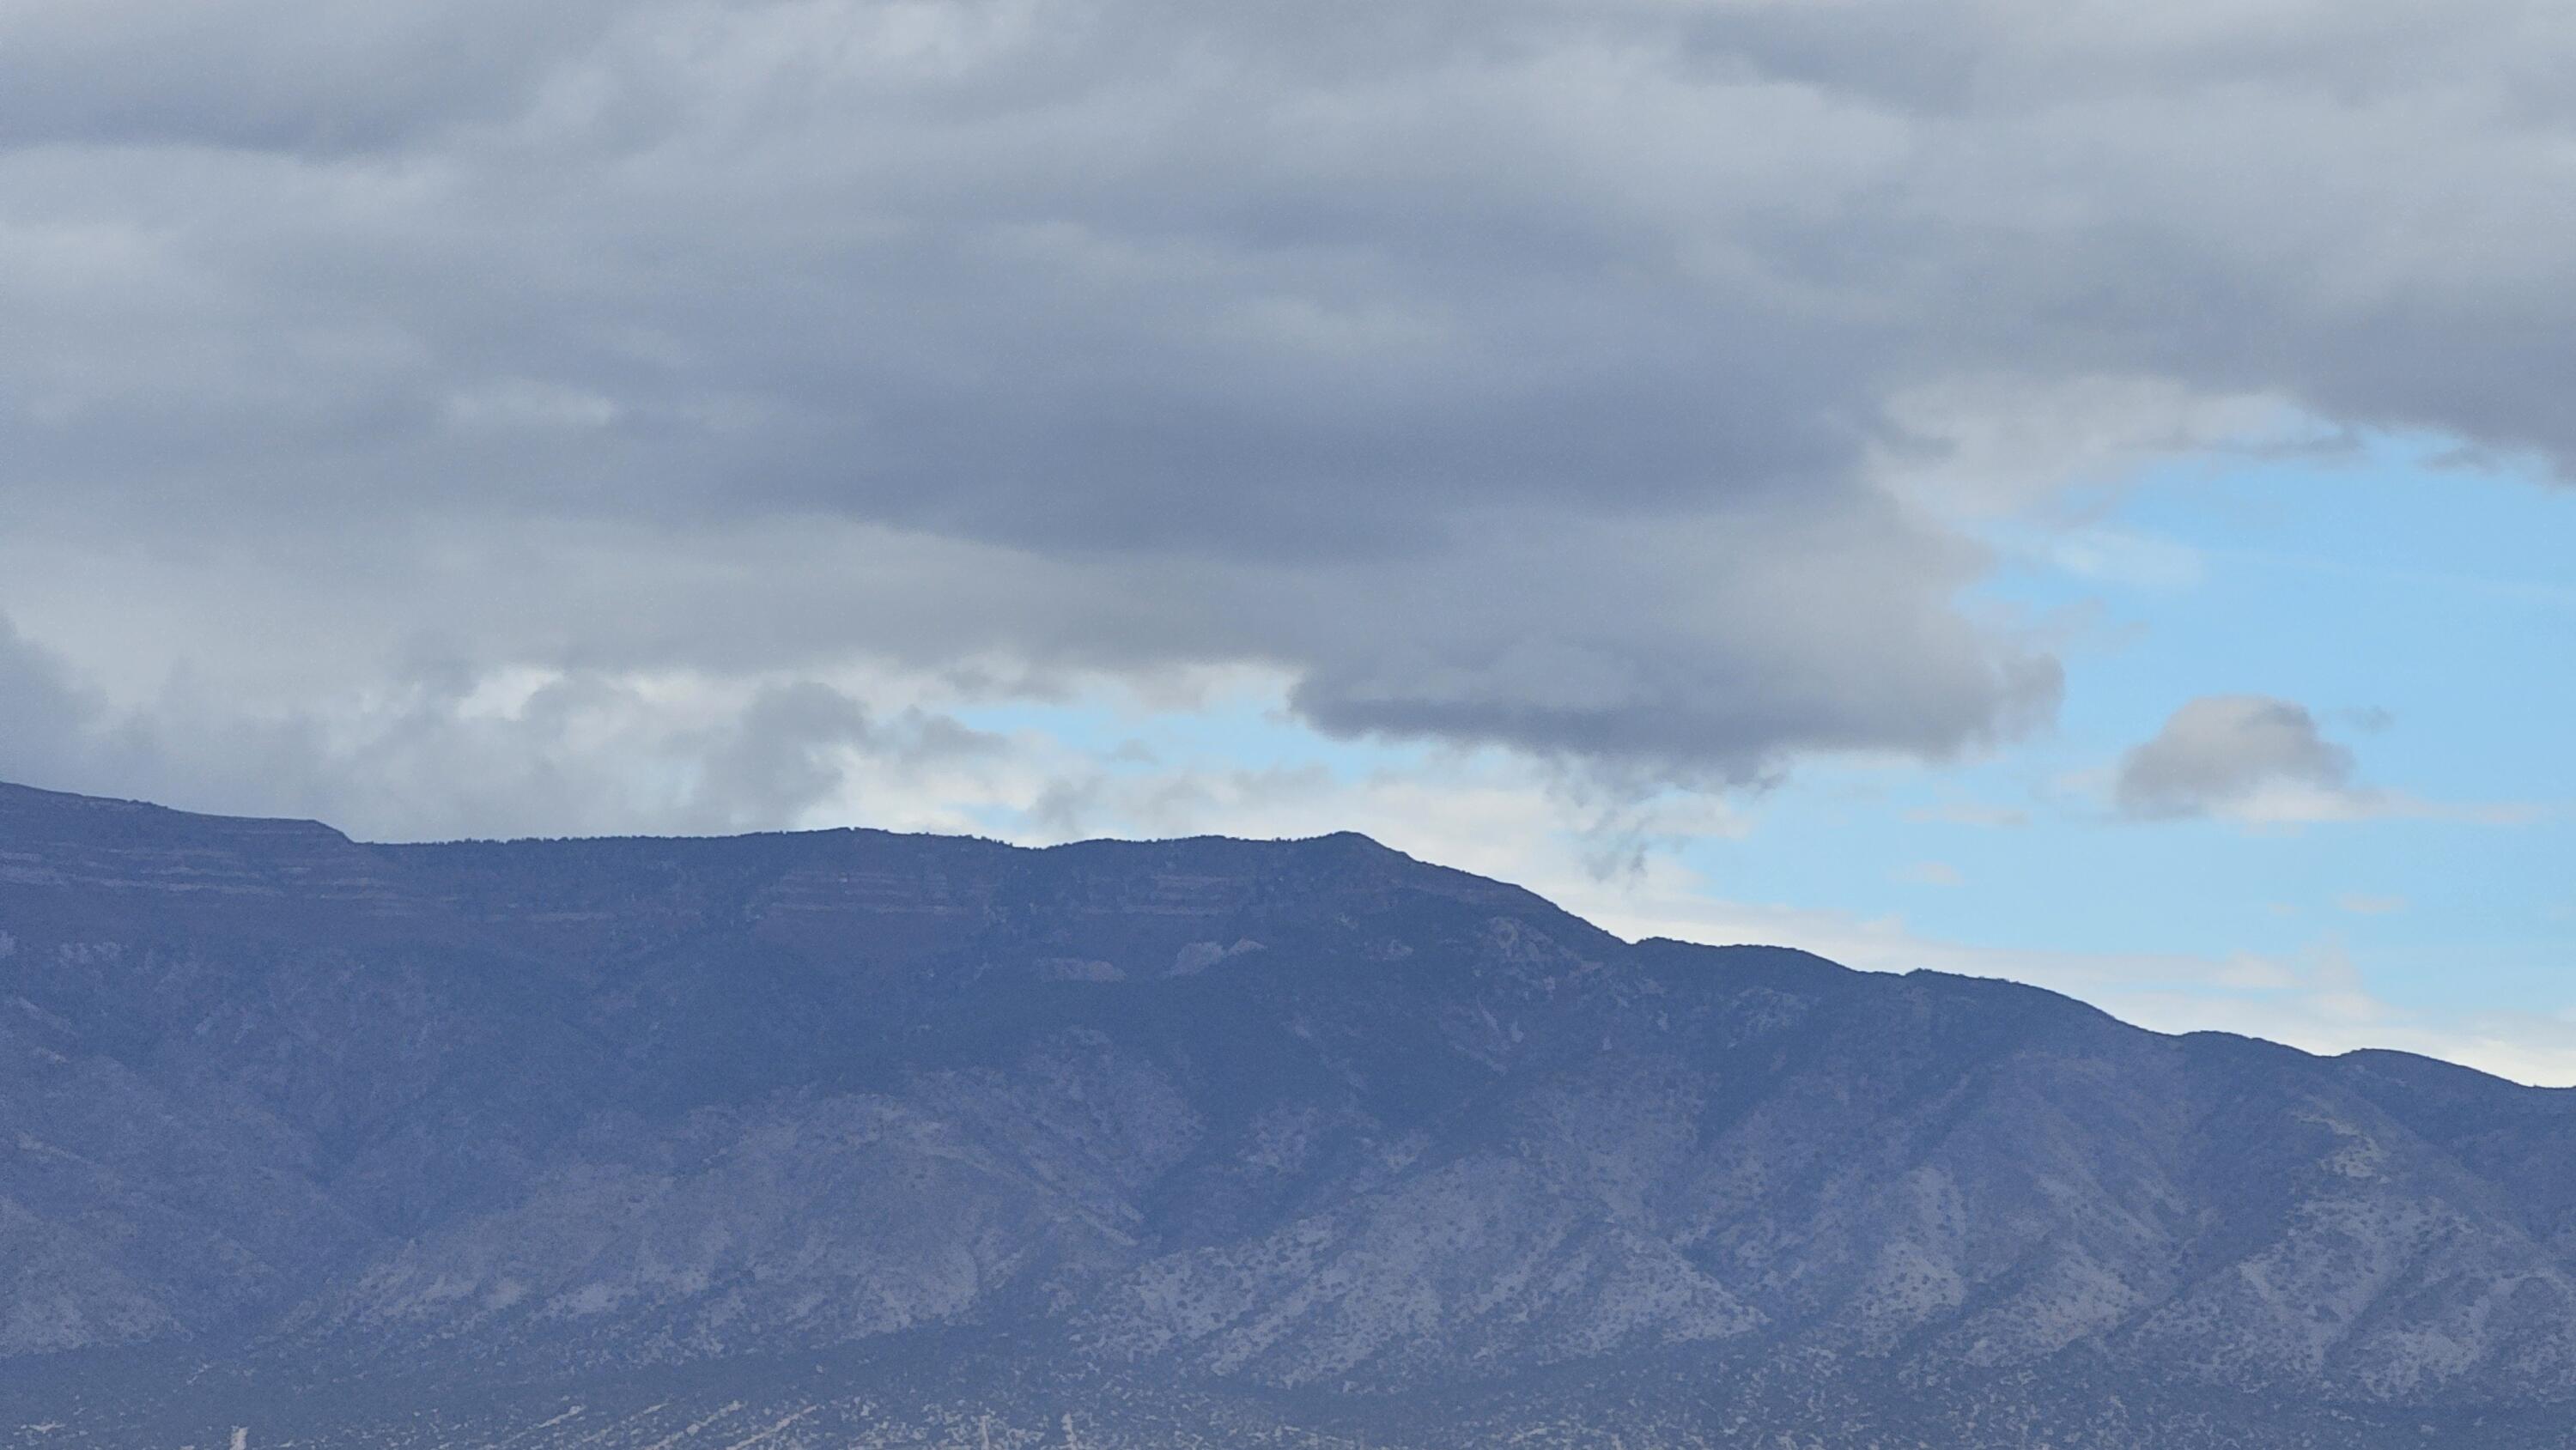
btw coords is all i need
(2427, 614)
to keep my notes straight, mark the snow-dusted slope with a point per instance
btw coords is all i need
(1186, 1141)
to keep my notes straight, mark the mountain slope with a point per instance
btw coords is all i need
(1187, 1142)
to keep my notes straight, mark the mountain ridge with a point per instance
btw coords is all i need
(1199, 1141)
(1329, 838)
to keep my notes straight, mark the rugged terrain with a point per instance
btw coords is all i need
(851, 1138)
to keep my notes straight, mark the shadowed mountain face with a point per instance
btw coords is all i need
(852, 1138)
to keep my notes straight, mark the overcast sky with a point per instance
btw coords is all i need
(2065, 490)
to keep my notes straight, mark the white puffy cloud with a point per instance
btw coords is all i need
(448, 753)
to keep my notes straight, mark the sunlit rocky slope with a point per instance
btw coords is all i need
(854, 1138)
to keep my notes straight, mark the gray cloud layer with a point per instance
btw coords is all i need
(1526, 373)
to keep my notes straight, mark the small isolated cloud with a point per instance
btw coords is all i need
(1931, 873)
(2262, 761)
(2250, 756)
(2360, 905)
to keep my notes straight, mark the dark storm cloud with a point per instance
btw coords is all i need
(1517, 373)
